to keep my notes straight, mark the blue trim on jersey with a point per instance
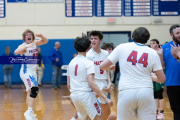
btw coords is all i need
(140, 44)
(172, 66)
(24, 68)
(33, 80)
(99, 104)
(108, 96)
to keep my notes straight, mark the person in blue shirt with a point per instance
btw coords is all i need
(57, 61)
(172, 70)
(7, 68)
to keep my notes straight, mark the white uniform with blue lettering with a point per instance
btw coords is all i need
(100, 76)
(28, 71)
(135, 96)
(81, 93)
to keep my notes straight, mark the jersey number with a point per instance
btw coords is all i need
(76, 67)
(133, 58)
(101, 71)
(35, 54)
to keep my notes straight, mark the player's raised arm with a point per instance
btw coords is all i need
(21, 48)
(43, 40)
(96, 89)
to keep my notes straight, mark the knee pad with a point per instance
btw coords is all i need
(34, 92)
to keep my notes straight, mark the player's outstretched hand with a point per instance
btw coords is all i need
(39, 35)
(109, 102)
(157, 49)
(108, 88)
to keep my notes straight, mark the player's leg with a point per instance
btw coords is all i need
(156, 99)
(161, 104)
(146, 105)
(104, 106)
(5, 75)
(106, 111)
(127, 104)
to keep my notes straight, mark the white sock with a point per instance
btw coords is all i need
(79, 116)
(29, 108)
(73, 118)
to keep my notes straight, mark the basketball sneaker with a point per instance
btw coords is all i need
(160, 116)
(29, 115)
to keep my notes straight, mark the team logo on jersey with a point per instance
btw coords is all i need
(97, 62)
(33, 51)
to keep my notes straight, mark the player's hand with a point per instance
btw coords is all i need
(96, 95)
(153, 76)
(57, 59)
(30, 45)
(109, 102)
(39, 35)
(112, 67)
(108, 88)
(158, 50)
(175, 50)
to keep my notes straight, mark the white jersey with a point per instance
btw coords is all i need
(97, 59)
(136, 62)
(78, 69)
(31, 51)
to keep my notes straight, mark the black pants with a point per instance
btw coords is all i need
(173, 93)
(115, 73)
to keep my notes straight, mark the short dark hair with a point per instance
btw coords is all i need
(173, 27)
(155, 40)
(98, 33)
(107, 45)
(81, 44)
(141, 35)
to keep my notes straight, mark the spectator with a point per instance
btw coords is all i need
(172, 70)
(7, 68)
(39, 68)
(158, 89)
(57, 61)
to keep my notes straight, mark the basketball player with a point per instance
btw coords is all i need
(102, 79)
(80, 81)
(28, 71)
(136, 61)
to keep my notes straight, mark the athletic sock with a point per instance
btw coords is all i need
(29, 108)
(73, 118)
(161, 111)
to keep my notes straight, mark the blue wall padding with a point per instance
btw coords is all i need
(67, 49)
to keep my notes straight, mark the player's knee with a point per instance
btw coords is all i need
(34, 92)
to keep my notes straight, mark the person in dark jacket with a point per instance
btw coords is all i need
(57, 61)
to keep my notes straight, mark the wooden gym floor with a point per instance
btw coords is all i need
(49, 105)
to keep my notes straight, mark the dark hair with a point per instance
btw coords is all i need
(107, 45)
(165, 42)
(155, 40)
(141, 35)
(81, 44)
(28, 31)
(98, 33)
(173, 27)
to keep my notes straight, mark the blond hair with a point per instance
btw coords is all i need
(28, 31)
(7, 50)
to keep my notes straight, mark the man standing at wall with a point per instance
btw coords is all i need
(57, 61)
(172, 70)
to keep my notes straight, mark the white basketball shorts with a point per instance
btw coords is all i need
(86, 104)
(29, 79)
(136, 102)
